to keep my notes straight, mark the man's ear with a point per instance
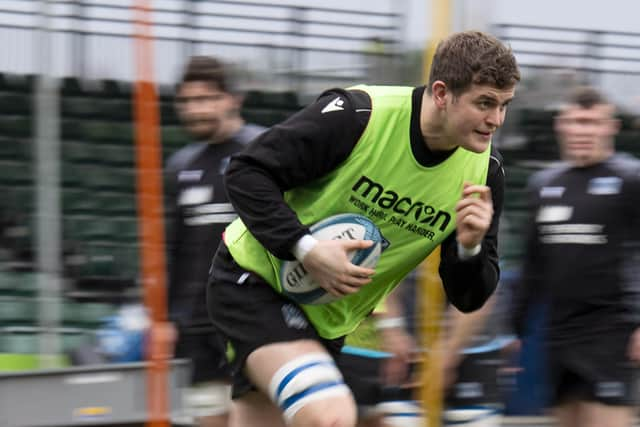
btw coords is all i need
(439, 93)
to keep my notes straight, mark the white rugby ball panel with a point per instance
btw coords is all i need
(298, 285)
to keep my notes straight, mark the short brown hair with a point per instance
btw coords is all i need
(586, 97)
(209, 70)
(471, 57)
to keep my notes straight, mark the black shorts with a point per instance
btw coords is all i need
(597, 370)
(362, 373)
(207, 353)
(249, 314)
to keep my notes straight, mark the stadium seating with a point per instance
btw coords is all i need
(98, 199)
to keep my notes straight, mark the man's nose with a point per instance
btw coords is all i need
(495, 117)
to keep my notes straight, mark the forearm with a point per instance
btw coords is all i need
(470, 282)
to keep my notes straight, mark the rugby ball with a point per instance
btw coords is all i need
(299, 286)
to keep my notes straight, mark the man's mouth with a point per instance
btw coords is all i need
(486, 134)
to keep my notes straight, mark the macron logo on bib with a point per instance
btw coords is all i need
(335, 105)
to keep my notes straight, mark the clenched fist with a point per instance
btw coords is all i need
(474, 213)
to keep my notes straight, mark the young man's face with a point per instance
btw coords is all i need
(204, 109)
(586, 134)
(476, 114)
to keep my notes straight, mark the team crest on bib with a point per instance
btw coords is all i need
(605, 185)
(293, 317)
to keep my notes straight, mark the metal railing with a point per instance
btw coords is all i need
(588, 51)
(284, 43)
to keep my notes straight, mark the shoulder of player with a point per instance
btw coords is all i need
(248, 132)
(625, 165)
(545, 176)
(336, 99)
(181, 158)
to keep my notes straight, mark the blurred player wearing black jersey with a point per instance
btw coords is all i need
(580, 256)
(209, 108)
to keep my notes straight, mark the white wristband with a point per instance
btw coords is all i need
(464, 253)
(304, 246)
(390, 323)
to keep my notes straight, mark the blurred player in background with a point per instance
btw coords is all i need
(414, 154)
(209, 108)
(582, 261)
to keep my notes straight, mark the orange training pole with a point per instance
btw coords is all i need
(150, 218)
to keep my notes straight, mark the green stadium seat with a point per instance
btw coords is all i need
(537, 117)
(20, 235)
(18, 310)
(542, 145)
(286, 100)
(174, 136)
(122, 179)
(96, 131)
(71, 129)
(103, 177)
(71, 339)
(16, 149)
(93, 313)
(78, 107)
(80, 201)
(629, 141)
(117, 203)
(120, 155)
(85, 314)
(15, 103)
(168, 114)
(74, 174)
(99, 260)
(17, 82)
(108, 132)
(96, 107)
(264, 117)
(6, 283)
(70, 87)
(517, 176)
(15, 173)
(516, 221)
(69, 313)
(105, 261)
(17, 200)
(282, 100)
(19, 340)
(515, 198)
(129, 255)
(254, 99)
(512, 247)
(116, 109)
(26, 339)
(15, 283)
(16, 126)
(628, 122)
(89, 227)
(116, 89)
(127, 229)
(79, 152)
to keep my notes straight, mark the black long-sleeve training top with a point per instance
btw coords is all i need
(309, 145)
(582, 249)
